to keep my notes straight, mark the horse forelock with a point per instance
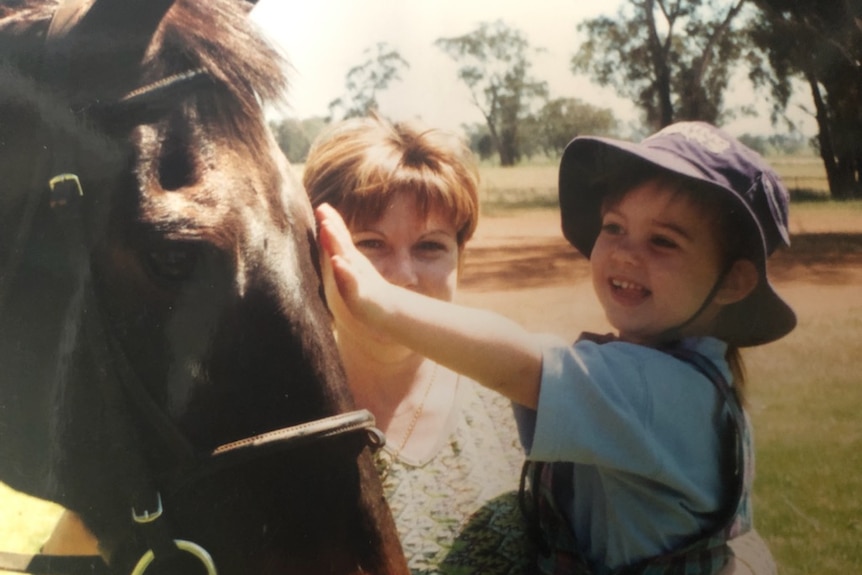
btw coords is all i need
(195, 182)
(219, 38)
(23, 19)
(248, 73)
(216, 36)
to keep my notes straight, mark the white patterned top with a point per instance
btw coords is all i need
(457, 511)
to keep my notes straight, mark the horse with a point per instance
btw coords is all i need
(167, 366)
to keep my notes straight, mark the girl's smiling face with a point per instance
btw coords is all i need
(655, 262)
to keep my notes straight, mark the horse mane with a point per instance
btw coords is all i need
(216, 37)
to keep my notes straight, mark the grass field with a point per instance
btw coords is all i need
(534, 186)
(806, 404)
(805, 397)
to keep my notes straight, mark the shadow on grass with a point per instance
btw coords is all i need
(532, 263)
(825, 258)
(494, 208)
(812, 195)
(807, 195)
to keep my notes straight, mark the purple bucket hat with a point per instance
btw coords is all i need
(706, 154)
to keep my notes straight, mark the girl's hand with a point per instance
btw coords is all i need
(360, 287)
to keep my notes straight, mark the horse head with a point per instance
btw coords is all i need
(161, 312)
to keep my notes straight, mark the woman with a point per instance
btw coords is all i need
(451, 465)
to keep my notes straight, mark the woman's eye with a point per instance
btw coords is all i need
(173, 262)
(368, 244)
(431, 246)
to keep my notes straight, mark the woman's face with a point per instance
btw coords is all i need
(409, 250)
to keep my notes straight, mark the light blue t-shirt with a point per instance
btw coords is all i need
(642, 429)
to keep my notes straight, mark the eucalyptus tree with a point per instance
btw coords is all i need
(673, 58)
(561, 119)
(383, 65)
(494, 62)
(821, 43)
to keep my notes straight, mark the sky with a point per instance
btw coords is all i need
(325, 38)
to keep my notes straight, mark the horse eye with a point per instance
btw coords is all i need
(173, 262)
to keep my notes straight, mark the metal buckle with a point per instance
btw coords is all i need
(192, 549)
(376, 438)
(64, 188)
(149, 516)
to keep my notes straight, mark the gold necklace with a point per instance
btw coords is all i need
(385, 462)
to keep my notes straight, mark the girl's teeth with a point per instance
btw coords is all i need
(626, 285)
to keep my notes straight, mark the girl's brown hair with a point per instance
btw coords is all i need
(359, 165)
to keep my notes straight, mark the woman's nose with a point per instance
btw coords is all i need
(400, 270)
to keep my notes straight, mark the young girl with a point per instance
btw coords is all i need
(643, 439)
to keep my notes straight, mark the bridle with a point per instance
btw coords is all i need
(66, 196)
(162, 546)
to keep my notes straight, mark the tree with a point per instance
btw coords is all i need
(562, 119)
(821, 43)
(495, 65)
(295, 137)
(383, 65)
(479, 139)
(672, 58)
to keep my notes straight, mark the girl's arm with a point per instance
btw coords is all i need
(487, 347)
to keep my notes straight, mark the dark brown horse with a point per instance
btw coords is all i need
(159, 300)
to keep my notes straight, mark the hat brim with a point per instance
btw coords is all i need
(760, 318)
(583, 183)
